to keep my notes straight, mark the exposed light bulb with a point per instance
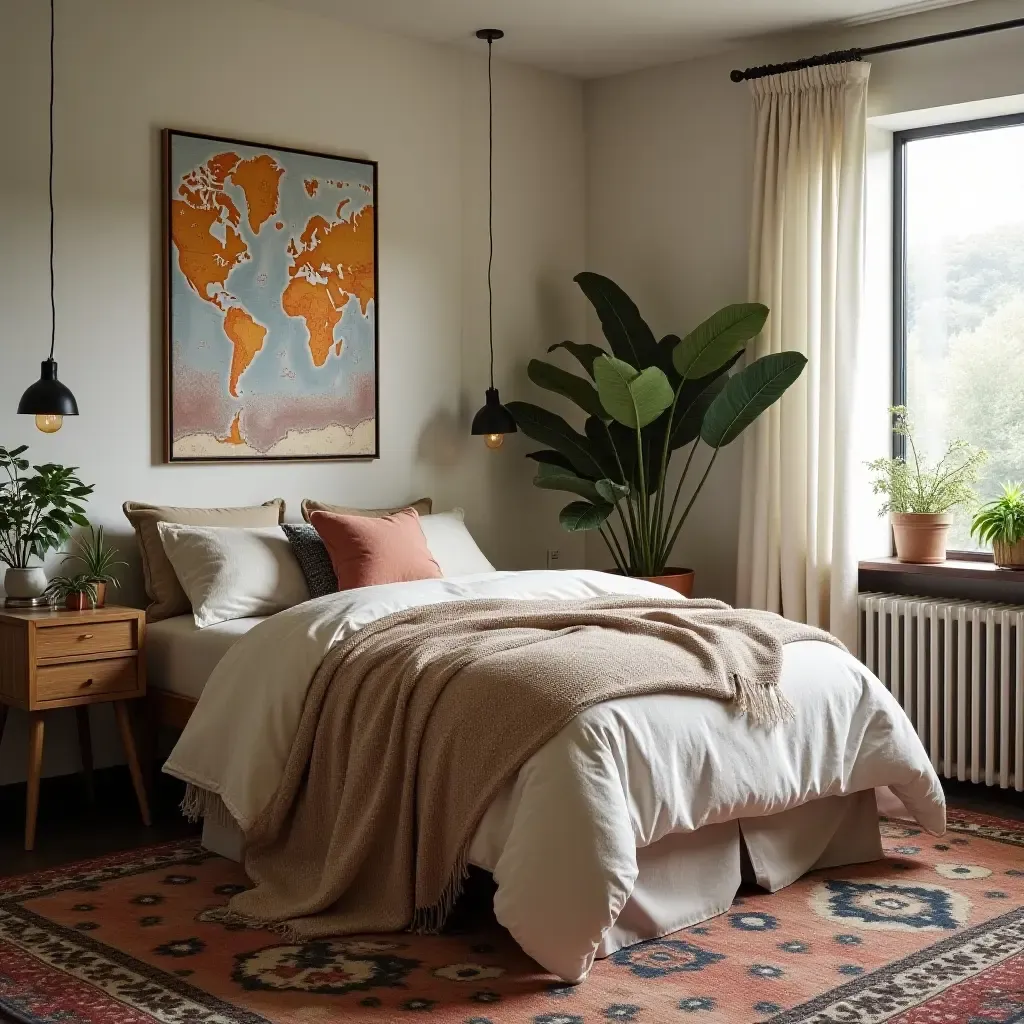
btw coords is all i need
(493, 441)
(49, 423)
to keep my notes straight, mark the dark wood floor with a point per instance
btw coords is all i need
(71, 829)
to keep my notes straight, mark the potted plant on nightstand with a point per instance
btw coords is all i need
(1001, 524)
(919, 499)
(37, 513)
(98, 561)
(646, 400)
(76, 592)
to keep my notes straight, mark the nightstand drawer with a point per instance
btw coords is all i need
(86, 679)
(94, 638)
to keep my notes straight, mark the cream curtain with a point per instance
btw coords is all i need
(796, 549)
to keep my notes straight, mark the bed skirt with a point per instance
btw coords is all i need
(689, 877)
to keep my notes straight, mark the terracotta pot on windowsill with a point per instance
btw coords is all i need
(921, 536)
(679, 580)
(1008, 556)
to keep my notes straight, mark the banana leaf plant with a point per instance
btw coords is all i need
(646, 401)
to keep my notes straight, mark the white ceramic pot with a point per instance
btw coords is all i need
(25, 582)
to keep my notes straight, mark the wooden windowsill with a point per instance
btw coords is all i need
(963, 579)
(964, 569)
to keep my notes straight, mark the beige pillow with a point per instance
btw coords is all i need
(309, 506)
(162, 587)
(230, 572)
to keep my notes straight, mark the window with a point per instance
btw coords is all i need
(958, 293)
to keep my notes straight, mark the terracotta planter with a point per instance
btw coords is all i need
(921, 536)
(80, 602)
(1008, 556)
(679, 580)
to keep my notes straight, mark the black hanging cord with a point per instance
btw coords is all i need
(858, 53)
(490, 204)
(490, 35)
(53, 305)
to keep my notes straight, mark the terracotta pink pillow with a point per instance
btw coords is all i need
(365, 551)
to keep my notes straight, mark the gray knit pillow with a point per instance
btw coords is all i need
(311, 554)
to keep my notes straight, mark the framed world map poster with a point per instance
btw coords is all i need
(271, 302)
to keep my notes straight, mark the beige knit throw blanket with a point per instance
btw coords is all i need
(413, 725)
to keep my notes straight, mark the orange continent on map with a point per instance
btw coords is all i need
(247, 337)
(260, 180)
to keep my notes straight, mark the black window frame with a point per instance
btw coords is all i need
(899, 260)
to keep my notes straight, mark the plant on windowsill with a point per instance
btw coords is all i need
(37, 513)
(645, 401)
(98, 561)
(919, 499)
(1001, 524)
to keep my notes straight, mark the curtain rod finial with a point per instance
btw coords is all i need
(737, 75)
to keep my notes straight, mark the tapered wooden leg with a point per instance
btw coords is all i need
(85, 749)
(124, 727)
(35, 768)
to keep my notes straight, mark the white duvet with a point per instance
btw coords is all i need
(561, 840)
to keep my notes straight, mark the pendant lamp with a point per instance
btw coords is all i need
(49, 400)
(493, 421)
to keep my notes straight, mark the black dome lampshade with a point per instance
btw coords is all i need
(493, 421)
(49, 400)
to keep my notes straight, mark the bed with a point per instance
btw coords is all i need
(690, 798)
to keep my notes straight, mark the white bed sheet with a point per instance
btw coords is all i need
(180, 656)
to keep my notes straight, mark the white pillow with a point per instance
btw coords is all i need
(230, 572)
(452, 545)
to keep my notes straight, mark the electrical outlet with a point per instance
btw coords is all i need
(554, 558)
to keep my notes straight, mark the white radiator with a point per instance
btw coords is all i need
(957, 668)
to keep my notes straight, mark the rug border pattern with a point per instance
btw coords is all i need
(900, 986)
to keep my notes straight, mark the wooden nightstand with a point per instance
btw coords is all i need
(60, 659)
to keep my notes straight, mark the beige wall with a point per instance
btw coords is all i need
(126, 69)
(668, 159)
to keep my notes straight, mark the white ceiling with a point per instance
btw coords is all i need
(591, 38)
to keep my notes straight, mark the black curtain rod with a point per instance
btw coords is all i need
(858, 53)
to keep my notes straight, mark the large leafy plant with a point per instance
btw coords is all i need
(37, 511)
(646, 400)
(912, 485)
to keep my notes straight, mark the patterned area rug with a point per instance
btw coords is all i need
(934, 934)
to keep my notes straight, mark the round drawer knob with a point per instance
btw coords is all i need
(85, 636)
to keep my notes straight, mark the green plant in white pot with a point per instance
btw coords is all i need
(647, 400)
(37, 512)
(1001, 524)
(920, 498)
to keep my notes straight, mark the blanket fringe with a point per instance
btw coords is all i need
(201, 803)
(430, 920)
(766, 705)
